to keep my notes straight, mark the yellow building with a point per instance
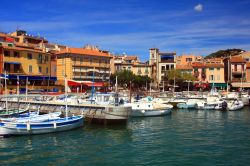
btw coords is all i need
(27, 64)
(83, 64)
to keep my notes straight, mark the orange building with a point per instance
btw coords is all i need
(83, 64)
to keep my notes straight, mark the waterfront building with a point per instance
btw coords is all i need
(199, 71)
(188, 59)
(83, 64)
(161, 62)
(131, 63)
(22, 58)
(237, 70)
(185, 68)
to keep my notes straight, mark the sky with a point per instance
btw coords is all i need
(197, 27)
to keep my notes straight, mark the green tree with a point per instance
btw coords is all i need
(224, 53)
(125, 77)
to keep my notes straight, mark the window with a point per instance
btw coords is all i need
(81, 60)
(211, 77)
(188, 59)
(47, 70)
(218, 77)
(6, 53)
(90, 59)
(40, 58)
(163, 68)
(218, 69)
(29, 55)
(46, 58)
(40, 69)
(211, 68)
(16, 54)
(30, 68)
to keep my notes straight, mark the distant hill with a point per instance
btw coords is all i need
(225, 53)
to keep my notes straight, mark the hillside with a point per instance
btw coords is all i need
(224, 53)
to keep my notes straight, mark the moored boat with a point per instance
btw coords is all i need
(144, 109)
(28, 128)
(235, 105)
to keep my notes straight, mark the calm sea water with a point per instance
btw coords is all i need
(183, 138)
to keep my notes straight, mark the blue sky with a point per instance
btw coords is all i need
(133, 26)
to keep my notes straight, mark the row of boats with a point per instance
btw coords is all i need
(21, 121)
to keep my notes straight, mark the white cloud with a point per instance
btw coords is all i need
(198, 8)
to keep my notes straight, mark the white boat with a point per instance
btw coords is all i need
(189, 104)
(235, 105)
(28, 128)
(144, 109)
(34, 118)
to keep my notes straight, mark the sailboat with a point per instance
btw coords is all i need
(8, 128)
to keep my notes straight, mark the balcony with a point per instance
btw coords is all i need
(239, 80)
(238, 72)
(91, 77)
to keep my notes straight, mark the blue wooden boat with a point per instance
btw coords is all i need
(30, 128)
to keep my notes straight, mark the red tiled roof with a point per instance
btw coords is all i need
(130, 58)
(237, 59)
(198, 65)
(84, 51)
(23, 49)
(218, 65)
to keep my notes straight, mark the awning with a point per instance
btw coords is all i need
(241, 85)
(223, 85)
(88, 83)
(15, 63)
(24, 77)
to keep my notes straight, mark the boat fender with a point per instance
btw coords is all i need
(55, 125)
(143, 111)
(28, 126)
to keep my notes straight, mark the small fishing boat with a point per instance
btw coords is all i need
(8, 128)
(189, 104)
(235, 105)
(28, 128)
(144, 109)
(34, 117)
(13, 112)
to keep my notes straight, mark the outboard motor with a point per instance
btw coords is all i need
(224, 105)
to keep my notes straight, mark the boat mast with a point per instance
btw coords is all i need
(174, 85)
(188, 87)
(5, 86)
(26, 92)
(66, 96)
(92, 89)
(116, 84)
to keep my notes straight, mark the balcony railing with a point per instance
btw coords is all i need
(239, 80)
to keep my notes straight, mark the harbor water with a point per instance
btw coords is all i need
(182, 138)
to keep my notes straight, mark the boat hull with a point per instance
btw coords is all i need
(8, 128)
(111, 115)
(147, 113)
